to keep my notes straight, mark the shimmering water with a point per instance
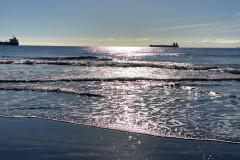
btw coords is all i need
(186, 93)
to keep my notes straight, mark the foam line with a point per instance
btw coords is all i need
(104, 62)
(55, 58)
(122, 129)
(197, 90)
(116, 79)
(50, 89)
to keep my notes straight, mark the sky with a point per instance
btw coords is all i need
(191, 23)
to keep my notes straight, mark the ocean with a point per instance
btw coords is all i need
(185, 93)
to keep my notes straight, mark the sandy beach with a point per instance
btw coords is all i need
(23, 139)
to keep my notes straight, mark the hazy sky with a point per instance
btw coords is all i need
(191, 23)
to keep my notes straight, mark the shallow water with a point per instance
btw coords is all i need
(185, 93)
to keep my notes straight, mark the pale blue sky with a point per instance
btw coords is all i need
(191, 23)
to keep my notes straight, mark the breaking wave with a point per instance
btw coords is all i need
(165, 84)
(77, 58)
(91, 61)
(115, 79)
(122, 128)
(196, 90)
(51, 89)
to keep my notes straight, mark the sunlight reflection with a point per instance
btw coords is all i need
(131, 109)
(133, 72)
(133, 53)
(126, 50)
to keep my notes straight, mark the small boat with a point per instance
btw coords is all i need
(12, 41)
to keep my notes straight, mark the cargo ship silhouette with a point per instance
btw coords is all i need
(174, 45)
(12, 41)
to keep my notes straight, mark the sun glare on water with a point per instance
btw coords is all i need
(128, 51)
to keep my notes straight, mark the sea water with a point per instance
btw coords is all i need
(188, 93)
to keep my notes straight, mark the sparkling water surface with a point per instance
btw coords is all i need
(190, 93)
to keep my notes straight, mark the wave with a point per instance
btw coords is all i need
(195, 89)
(76, 92)
(198, 90)
(57, 58)
(116, 79)
(51, 89)
(118, 127)
(100, 62)
(124, 129)
(230, 70)
(35, 108)
(73, 58)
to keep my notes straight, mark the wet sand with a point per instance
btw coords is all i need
(23, 139)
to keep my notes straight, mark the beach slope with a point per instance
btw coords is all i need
(23, 139)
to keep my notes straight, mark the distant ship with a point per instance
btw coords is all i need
(13, 41)
(174, 45)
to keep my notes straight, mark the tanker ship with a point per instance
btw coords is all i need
(174, 45)
(12, 41)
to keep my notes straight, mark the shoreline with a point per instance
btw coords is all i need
(124, 131)
(29, 138)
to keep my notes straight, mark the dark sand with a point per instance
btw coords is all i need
(23, 139)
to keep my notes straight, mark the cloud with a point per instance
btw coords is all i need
(185, 26)
(206, 41)
(109, 39)
(220, 41)
(142, 39)
(106, 39)
(230, 41)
